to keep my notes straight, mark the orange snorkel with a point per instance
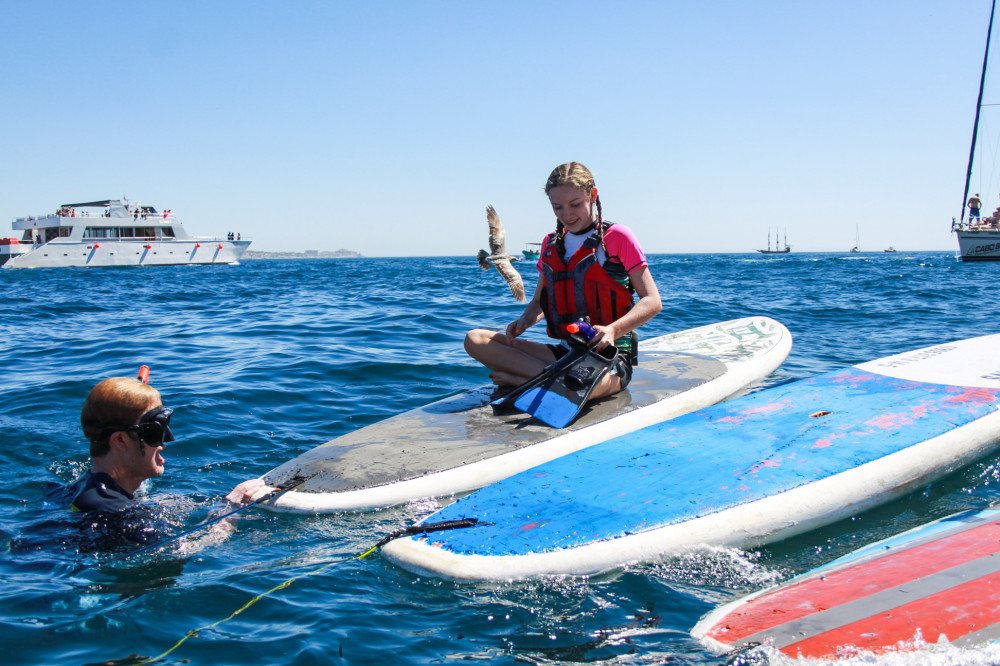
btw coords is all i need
(143, 374)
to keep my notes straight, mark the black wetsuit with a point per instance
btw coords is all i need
(98, 491)
(112, 517)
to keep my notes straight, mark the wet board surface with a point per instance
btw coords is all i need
(746, 472)
(940, 581)
(459, 444)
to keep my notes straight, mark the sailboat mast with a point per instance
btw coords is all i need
(979, 106)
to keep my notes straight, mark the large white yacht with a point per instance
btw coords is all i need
(113, 233)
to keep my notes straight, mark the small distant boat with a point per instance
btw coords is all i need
(532, 251)
(857, 239)
(777, 248)
(978, 239)
(112, 233)
(889, 249)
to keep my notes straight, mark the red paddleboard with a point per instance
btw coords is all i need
(938, 582)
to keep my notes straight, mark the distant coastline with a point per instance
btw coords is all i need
(308, 254)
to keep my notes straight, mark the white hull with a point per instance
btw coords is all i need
(11, 249)
(112, 233)
(980, 245)
(66, 253)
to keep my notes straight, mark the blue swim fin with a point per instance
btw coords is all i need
(558, 399)
(551, 370)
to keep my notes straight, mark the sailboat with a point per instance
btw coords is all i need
(857, 239)
(777, 248)
(978, 239)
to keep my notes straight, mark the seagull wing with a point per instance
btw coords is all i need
(498, 256)
(497, 246)
(512, 277)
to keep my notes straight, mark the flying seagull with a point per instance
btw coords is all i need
(498, 256)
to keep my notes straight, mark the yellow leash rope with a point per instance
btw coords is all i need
(279, 586)
(416, 529)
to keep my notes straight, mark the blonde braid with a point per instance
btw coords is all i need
(600, 227)
(560, 236)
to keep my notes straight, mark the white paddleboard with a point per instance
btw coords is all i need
(458, 444)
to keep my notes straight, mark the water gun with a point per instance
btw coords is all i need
(581, 332)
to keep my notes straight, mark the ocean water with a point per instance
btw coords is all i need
(265, 360)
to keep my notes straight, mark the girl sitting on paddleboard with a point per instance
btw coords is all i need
(568, 269)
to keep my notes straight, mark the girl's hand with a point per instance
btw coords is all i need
(517, 327)
(514, 329)
(607, 335)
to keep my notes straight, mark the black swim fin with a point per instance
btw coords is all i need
(561, 395)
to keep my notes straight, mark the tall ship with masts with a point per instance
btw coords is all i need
(979, 236)
(778, 249)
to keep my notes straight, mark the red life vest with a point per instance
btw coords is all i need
(580, 288)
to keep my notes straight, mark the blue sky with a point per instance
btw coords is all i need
(387, 128)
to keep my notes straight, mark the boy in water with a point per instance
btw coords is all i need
(128, 428)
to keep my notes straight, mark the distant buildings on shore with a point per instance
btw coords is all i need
(308, 254)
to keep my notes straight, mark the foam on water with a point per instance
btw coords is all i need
(914, 653)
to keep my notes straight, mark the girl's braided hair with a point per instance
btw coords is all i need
(575, 175)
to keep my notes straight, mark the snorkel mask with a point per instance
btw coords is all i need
(154, 427)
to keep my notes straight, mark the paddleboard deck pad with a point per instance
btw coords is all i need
(458, 444)
(746, 472)
(940, 581)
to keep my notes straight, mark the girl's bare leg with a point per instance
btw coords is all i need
(513, 362)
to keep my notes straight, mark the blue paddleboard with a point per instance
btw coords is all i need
(747, 472)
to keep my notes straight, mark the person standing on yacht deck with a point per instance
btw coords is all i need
(975, 203)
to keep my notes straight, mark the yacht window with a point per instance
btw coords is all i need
(100, 232)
